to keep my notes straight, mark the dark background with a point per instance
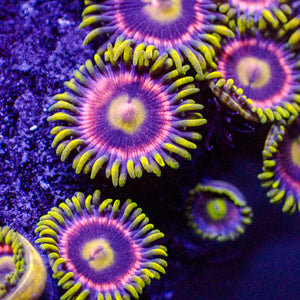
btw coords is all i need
(40, 46)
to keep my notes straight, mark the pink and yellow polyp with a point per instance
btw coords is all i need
(101, 253)
(126, 117)
(255, 71)
(101, 249)
(259, 78)
(183, 28)
(164, 14)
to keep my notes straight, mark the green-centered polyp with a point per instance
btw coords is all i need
(22, 271)
(281, 165)
(218, 211)
(100, 249)
(130, 111)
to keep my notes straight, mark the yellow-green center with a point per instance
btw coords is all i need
(253, 72)
(216, 209)
(99, 254)
(163, 11)
(126, 114)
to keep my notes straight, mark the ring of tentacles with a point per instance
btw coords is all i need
(264, 14)
(189, 29)
(100, 249)
(217, 210)
(281, 165)
(127, 113)
(258, 77)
